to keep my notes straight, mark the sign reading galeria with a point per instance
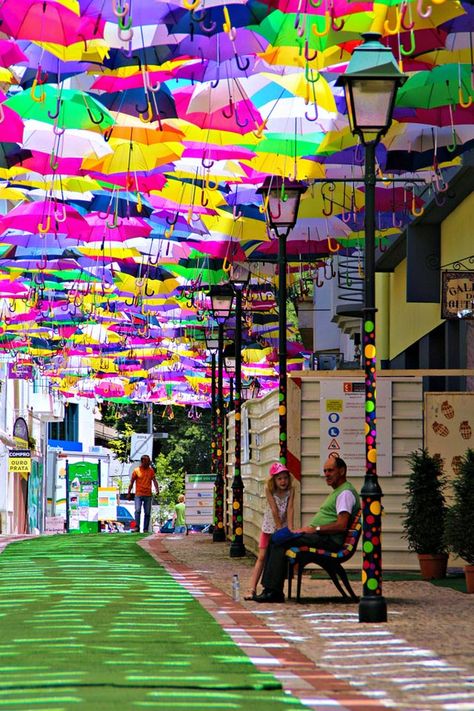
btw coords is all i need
(458, 295)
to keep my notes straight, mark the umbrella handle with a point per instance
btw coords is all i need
(169, 233)
(464, 104)
(191, 5)
(45, 227)
(327, 28)
(242, 67)
(403, 23)
(118, 10)
(264, 206)
(309, 78)
(333, 247)
(309, 57)
(57, 110)
(125, 25)
(125, 38)
(97, 122)
(207, 163)
(53, 163)
(412, 47)
(398, 25)
(334, 26)
(414, 210)
(149, 111)
(260, 129)
(423, 13)
(243, 123)
(39, 99)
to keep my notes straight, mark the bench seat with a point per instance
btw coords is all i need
(330, 561)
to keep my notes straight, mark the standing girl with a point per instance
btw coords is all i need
(278, 513)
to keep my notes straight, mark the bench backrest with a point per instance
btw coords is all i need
(347, 549)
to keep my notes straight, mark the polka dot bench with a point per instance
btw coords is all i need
(330, 561)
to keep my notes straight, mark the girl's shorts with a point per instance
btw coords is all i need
(264, 540)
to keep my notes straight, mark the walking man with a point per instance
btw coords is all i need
(143, 477)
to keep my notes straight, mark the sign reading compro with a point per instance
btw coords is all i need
(19, 460)
(458, 295)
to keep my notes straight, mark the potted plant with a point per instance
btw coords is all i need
(460, 517)
(426, 513)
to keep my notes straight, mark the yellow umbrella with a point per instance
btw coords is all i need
(335, 141)
(97, 50)
(12, 194)
(298, 84)
(131, 156)
(286, 166)
(387, 19)
(186, 194)
(294, 56)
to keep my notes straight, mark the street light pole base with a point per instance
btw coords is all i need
(372, 609)
(218, 535)
(237, 550)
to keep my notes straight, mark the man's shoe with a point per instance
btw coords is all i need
(270, 596)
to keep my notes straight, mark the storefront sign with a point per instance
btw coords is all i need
(458, 295)
(19, 461)
(20, 371)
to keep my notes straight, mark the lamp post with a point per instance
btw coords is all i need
(212, 346)
(370, 85)
(282, 199)
(239, 278)
(221, 305)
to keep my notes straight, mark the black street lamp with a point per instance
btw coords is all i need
(370, 83)
(239, 278)
(282, 199)
(212, 346)
(221, 305)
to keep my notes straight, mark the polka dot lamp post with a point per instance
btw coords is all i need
(239, 277)
(221, 305)
(370, 84)
(281, 200)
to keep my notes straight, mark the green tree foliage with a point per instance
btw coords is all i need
(171, 481)
(189, 441)
(425, 506)
(187, 450)
(460, 519)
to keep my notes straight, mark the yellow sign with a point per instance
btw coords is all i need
(19, 461)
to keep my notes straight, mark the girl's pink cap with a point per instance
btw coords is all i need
(277, 468)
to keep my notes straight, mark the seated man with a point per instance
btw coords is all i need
(326, 530)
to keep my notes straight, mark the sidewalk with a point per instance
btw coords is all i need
(421, 659)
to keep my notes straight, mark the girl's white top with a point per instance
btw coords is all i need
(268, 525)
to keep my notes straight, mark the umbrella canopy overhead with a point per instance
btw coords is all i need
(134, 138)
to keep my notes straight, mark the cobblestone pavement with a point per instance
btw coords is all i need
(421, 659)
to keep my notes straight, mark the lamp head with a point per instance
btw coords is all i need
(282, 198)
(370, 82)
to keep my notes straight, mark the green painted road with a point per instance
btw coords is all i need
(93, 622)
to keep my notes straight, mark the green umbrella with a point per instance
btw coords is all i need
(449, 84)
(279, 29)
(70, 108)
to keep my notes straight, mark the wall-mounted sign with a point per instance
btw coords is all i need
(20, 371)
(457, 295)
(20, 432)
(19, 461)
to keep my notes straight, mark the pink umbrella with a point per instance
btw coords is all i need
(10, 53)
(11, 125)
(102, 228)
(48, 21)
(46, 216)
